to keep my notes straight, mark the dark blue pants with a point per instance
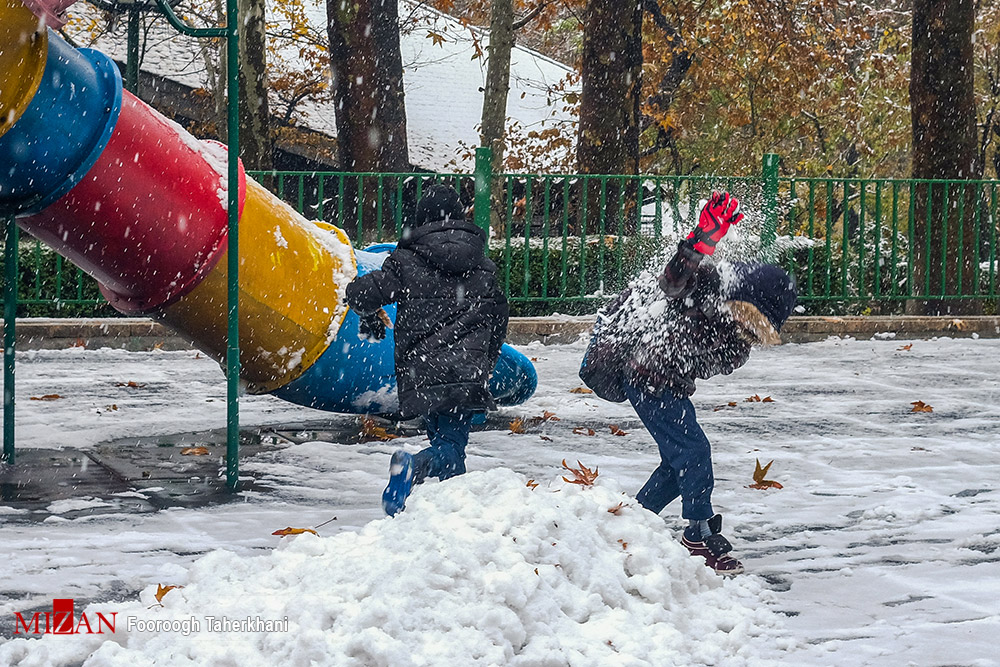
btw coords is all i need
(685, 468)
(449, 434)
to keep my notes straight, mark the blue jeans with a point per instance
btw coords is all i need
(449, 434)
(685, 468)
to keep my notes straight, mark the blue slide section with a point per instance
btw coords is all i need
(356, 376)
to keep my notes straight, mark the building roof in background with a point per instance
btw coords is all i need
(443, 82)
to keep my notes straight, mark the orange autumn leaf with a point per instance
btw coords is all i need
(617, 509)
(757, 399)
(759, 475)
(549, 416)
(581, 390)
(517, 426)
(294, 531)
(47, 397)
(371, 429)
(623, 543)
(583, 475)
(162, 590)
(730, 404)
(583, 430)
(617, 430)
(532, 484)
(905, 348)
(130, 384)
(920, 406)
(195, 451)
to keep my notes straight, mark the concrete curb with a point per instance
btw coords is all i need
(145, 334)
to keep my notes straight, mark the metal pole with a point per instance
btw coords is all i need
(484, 181)
(233, 330)
(9, 340)
(132, 51)
(770, 232)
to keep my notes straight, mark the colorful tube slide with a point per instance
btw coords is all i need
(139, 204)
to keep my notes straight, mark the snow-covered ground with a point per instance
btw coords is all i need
(882, 547)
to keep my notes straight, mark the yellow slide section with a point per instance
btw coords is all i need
(289, 296)
(24, 45)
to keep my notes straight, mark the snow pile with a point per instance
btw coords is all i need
(480, 570)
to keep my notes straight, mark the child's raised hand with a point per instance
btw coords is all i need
(721, 211)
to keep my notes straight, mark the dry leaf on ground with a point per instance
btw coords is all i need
(294, 531)
(583, 430)
(583, 475)
(759, 475)
(47, 397)
(617, 430)
(162, 590)
(581, 390)
(617, 509)
(920, 406)
(371, 429)
(195, 451)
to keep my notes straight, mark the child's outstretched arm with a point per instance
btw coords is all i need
(368, 293)
(679, 275)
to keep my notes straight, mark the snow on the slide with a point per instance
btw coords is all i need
(883, 547)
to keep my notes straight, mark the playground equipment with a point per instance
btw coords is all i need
(142, 206)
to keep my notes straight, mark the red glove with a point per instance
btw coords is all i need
(721, 211)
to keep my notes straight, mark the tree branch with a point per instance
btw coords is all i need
(530, 16)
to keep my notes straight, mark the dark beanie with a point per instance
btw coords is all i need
(768, 288)
(440, 202)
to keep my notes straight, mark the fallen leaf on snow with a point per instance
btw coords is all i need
(617, 430)
(532, 484)
(904, 348)
(583, 430)
(162, 590)
(294, 531)
(583, 475)
(47, 397)
(130, 384)
(617, 509)
(581, 390)
(920, 406)
(759, 474)
(517, 426)
(195, 451)
(371, 429)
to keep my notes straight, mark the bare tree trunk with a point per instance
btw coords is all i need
(943, 114)
(608, 141)
(256, 143)
(367, 70)
(494, 122)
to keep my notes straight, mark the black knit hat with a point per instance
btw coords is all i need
(440, 202)
(770, 289)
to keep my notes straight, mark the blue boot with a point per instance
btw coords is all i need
(400, 483)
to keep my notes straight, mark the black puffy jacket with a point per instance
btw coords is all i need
(451, 318)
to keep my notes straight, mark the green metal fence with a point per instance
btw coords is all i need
(563, 243)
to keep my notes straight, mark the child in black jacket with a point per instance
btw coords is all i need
(651, 344)
(451, 321)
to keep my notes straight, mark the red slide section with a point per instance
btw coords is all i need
(149, 220)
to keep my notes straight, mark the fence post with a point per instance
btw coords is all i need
(769, 234)
(9, 340)
(484, 181)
